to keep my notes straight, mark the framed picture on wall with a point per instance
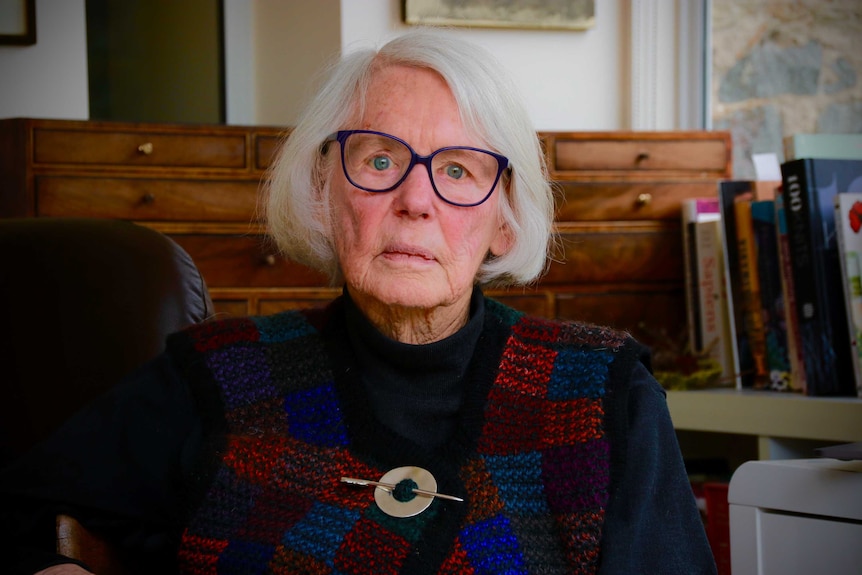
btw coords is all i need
(550, 14)
(18, 22)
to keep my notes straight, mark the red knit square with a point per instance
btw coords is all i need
(200, 554)
(369, 548)
(288, 561)
(456, 563)
(211, 335)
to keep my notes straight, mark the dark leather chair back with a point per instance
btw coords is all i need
(82, 303)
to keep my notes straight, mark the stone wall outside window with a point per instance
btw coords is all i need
(782, 67)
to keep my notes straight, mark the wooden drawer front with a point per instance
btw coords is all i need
(528, 300)
(267, 306)
(265, 148)
(230, 306)
(697, 156)
(147, 199)
(602, 201)
(247, 261)
(655, 318)
(53, 146)
(618, 253)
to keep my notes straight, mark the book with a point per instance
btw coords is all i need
(694, 210)
(823, 146)
(728, 192)
(714, 321)
(848, 226)
(749, 290)
(743, 362)
(788, 292)
(809, 189)
(772, 313)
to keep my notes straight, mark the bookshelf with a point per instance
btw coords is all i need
(780, 425)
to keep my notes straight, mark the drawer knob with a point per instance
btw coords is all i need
(148, 198)
(644, 199)
(641, 158)
(269, 260)
(146, 148)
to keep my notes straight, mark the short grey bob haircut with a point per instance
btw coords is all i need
(491, 110)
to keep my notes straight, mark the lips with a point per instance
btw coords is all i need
(408, 251)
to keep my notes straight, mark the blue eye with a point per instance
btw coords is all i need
(381, 163)
(455, 172)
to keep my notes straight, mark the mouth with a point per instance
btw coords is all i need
(396, 252)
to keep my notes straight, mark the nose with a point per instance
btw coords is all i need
(414, 197)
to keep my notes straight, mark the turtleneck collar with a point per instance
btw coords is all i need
(415, 390)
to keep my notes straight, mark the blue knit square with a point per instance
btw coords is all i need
(313, 415)
(246, 369)
(578, 374)
(518, 479)
(493, 548)
(321, 531)
(282, 327)
(245, 557)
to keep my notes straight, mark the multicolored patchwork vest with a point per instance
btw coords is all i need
(530, 459)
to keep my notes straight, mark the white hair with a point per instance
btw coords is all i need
(491, 110)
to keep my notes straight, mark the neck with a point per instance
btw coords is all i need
(414, 325)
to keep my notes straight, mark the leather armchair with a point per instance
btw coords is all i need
(82, 303)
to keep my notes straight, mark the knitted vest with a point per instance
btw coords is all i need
(531, 458)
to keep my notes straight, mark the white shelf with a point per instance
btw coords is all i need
(776, 419)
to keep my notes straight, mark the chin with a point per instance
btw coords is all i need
(421, 293)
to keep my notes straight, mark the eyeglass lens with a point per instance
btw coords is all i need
(376, 162)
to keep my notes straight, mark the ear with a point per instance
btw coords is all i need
(503, 240)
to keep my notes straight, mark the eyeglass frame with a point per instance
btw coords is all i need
(341, 136)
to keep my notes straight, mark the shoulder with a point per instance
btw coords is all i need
(564, 333)
(224, 332)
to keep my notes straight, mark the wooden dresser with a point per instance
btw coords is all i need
(618, 210)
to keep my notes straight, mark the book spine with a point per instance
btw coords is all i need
(691, 281)
(750, 290)
(788, 291)
(848, 229)
(728, 192)
(693, 211)
(714, 322)
(803, 228)
(771, 298)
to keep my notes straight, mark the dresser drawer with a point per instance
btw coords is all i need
(613, 253)
(265, 148)
(245, 260)
(147, 199)
(138, 148)
(636, 200)
(654, 317)
(705, 154)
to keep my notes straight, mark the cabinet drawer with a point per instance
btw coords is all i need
(528, 300)
(265, 148)
(147, 199)
(637, 200)
(589, 153)
(245, 260)
(133, 148)
(597, 254)
(654, 317)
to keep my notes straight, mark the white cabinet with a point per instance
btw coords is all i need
(796, 517)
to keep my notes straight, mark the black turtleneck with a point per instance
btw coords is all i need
(415, 390)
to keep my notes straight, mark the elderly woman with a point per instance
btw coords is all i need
(413, 426)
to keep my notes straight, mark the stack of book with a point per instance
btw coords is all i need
(790, 254)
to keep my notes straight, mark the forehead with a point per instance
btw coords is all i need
(398, 94)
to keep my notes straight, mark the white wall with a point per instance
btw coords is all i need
(49, 78)
(570, 80)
